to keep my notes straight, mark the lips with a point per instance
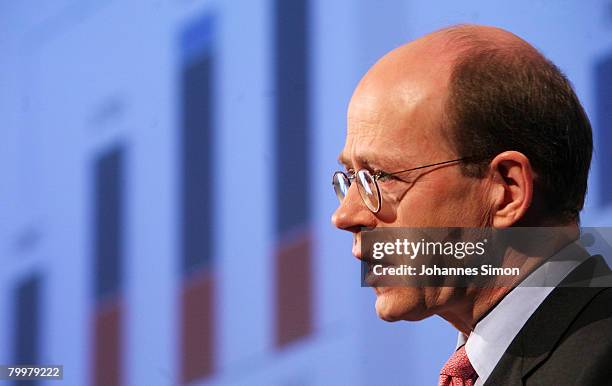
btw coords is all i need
(356, 251)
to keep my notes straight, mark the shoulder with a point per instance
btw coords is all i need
(595, 319)
(590, 326)
(584, 352)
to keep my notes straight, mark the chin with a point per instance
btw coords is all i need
(400, 303)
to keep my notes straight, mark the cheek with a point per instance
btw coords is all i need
(442, 203)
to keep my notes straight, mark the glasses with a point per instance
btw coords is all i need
(367, 183)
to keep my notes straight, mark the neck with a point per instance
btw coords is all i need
(465, 307)
(464, 314)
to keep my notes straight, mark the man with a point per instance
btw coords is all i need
(505, 143)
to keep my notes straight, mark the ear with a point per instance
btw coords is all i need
(512, 190)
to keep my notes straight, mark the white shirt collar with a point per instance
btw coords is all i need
(493, 334)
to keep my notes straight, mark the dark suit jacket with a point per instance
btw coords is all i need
(568, 339)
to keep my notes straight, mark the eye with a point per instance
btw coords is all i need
(350, 173)
(384, 176)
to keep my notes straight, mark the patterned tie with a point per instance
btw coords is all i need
(458, 370)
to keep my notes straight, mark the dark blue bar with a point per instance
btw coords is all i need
(27, 325)
(292, 116)
(108, 223)
(603, 152)
(198, 184)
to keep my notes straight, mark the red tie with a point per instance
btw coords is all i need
(458, 370)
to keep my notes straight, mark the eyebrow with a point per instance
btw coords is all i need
(345, 161)
(384, 162)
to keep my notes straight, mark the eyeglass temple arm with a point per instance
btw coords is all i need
(430, 165)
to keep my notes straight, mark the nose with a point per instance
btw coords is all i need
(352, 214)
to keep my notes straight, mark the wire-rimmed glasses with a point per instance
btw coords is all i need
(367, 183)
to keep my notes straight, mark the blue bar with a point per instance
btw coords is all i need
(108, 223)
(26, 344)
(198, 184)
(292, 116)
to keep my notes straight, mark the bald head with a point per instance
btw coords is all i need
(418, 74)
(478, 91)
(430, 59)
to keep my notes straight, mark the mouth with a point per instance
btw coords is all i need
(369, 260)
(356, 250)
(368, 264)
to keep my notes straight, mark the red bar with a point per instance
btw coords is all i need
(293, 289)
(197, 338)
(107, 369)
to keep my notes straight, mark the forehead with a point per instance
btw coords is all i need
(396, 114)
(394, 129)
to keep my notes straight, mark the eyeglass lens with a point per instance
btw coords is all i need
(366, 185)
(341, 185)
(368, 190)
